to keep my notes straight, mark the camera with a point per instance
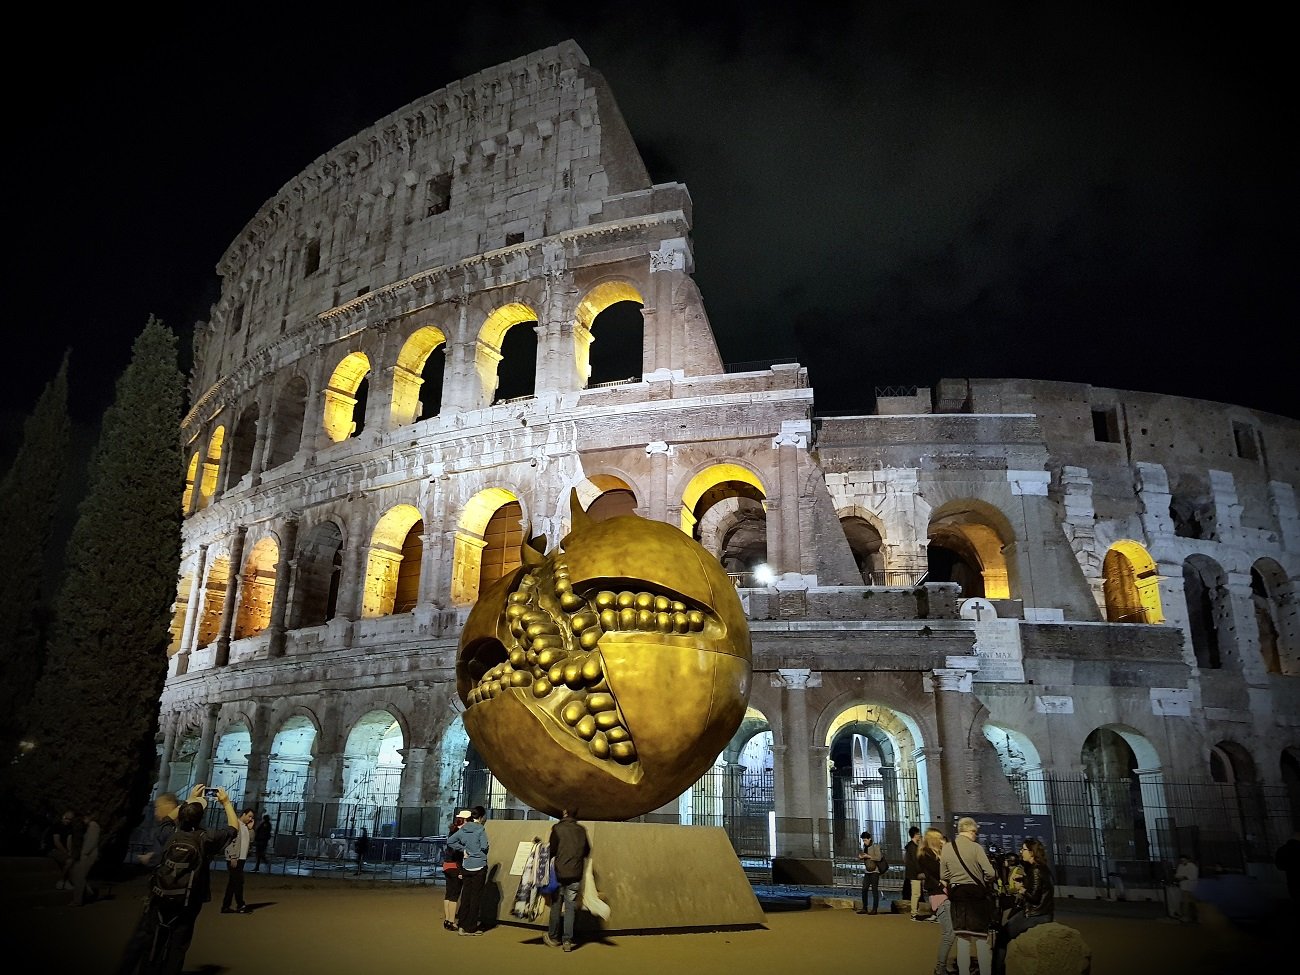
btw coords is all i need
(210, 794)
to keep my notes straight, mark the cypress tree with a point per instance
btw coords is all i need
(29, 501)
(95, 711)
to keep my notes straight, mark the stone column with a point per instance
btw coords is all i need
(165, 759)
(233, 592)
(952, 699)
(352, 585)
(259, 439)
(790, 557)
(192, 612)
(258, 759)
(412, 791)
(655, 507)
(795, 837)
(203, 759)
(284, 573)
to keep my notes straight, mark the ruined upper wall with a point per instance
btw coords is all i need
(515, 153)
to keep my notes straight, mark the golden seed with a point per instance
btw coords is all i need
(516, 597)
(681, 622)
(541, 629)
(573, 674)
(591, 669)
(617, 734)
(541, 687)
(573, 712)
(609, 619)
(515, 610)
(599, 746)
(623, 751)
(556, 674)
(696, 618)
(547, 656)
(662, 603)
(606, 720)
(586, 726)
(626, 599)
(562, 584)
(627, 619)
(678, 607)
(590, 638)
(582, 621)
(520, 678)
(645, 619)
(570, 601)
(600, 702)
(664, 622)
(518, 658)
(550, 641)
(606, 600)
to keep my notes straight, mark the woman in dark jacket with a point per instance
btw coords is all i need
(1036, 901)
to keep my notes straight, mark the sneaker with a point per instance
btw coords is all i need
(245, 910)
(860, 910)
(568, 946)
(466, 934)
(549, 941)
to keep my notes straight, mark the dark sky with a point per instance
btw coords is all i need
(894, 196)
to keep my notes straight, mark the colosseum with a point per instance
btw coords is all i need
(1065, 606)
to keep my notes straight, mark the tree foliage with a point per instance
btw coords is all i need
(95, 711)
(29, 500)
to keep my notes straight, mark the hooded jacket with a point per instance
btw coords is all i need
(472, 840)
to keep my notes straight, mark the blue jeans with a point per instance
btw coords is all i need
(564, 903)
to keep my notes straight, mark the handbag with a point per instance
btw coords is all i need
(552, 881)
(995, 909)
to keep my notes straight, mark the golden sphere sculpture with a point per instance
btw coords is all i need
(609, 673)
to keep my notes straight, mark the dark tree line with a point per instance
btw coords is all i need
(86, 735)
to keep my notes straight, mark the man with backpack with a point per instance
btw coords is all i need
(178, 889)
(568, 848)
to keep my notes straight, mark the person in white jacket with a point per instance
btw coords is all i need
(236, 857)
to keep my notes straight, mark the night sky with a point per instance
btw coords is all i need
(891, 197)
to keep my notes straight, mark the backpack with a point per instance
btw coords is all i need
(883, 864)
(182, 860)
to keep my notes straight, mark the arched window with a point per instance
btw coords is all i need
(505, 357)
(287, 422)
(320, 565)
(1273, 596)
(393, 564)
(417, 377)
(211, 467)
(486, 547)
(191, 472)
(1209, 611)
(1131, 585)
(967, 542)
(723, 508)
(257, 589)
(609, 334)
(214, 600)
(345, 397)
(242, 442)
(867, 547)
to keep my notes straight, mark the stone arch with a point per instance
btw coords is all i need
(319, 573)
(191, 473)
(393, 563)
(474, 541)
(734, 528)
(215, 590)
(1021, 764)
(1125, 779)
(1232, 766)
(343, 411)
(179, 606)
(489, 350)
(417, 377)
(712, 482)
(968, 538)
(1273, 596)
(605, 496)
(372, 771)
(287, 420)
(230, 759)
(211, 467)
(876, 775)
(1209, 611)
(257, 588)
(289, 773)
(865, 533)
(242, 441)
(1131, 584)
(737, 793)
(623, 301)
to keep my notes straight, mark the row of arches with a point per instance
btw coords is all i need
(501, 362)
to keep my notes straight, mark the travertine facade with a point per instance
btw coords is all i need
(964, 596)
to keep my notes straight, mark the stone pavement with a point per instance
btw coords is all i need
(331, 927)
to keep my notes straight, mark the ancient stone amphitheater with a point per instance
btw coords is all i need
(1041, 600)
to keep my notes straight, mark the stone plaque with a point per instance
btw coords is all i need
(997, 644)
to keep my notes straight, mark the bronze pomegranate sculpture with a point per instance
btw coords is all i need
(609, 673)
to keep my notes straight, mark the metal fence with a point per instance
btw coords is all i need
(1130, 832)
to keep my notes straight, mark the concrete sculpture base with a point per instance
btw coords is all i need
(654, 877)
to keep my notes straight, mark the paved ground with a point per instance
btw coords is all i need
(337, 927)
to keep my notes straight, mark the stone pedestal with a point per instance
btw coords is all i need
(654, 877)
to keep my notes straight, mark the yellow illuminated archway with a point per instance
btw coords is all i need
(467, 556)
(592, 304)
(710, 477)
(978, 532)
(487, 350)
(1131, 584)
(257, 589)
(211, 466)
(389, 565)
(407, 374)
(341, 395)
(191, 473)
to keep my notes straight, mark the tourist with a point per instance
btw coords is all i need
(471, 839)
(451, 874)
(362, 847)
(61, 840)
(568, 848)
(87, 854)
(236, 859)
(1035, 901)
(870, 857)
(912, 873)
(965, 868)
(927, 861)
(261, 840)
(1186, 876)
